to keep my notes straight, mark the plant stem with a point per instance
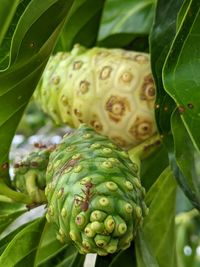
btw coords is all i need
(5, 199)
(13, 195)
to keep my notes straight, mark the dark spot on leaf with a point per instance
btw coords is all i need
(190, 105)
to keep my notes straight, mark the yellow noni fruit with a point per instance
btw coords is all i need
(111, 90)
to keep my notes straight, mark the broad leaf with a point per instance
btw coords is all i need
(30, 51)
(82, 24)
(72, 258)
(6, 42)
(9, 212)
(51, 252)
(22, 245)
(182, 13)
(144, 255)
(158, 227)
(7, 11)
(124, 20)
(188, 161)
(8, 238)
(49, 246)
(161, 37)
(127, 256)
(153, 166)
(181, 71)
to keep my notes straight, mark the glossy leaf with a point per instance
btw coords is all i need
(158, 226)
(161, 37)
(49, 246)
(29, 54)
(51, 252)
(127, 256)
(23, 244)
(181, 71)
(7, 11)
(6, 42)
(82, 24)
(187, 159)
(8, 237)
(130, 17)
(153, 166)
(9, 212)
(72, 260)
(182, 13)
(144, 255)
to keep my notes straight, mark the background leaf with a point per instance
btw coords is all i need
(22, 245)
(5, 45)
(82, 24)
(9, 212)
(123, 21)
(158, 226)
(181, 71)
(145, 257)
(188, 159)
(29, 54)
(114, 260)
(7, 11)
(161, 37)
(153, 166)
(8, 238)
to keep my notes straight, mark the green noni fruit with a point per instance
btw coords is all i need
(30, 174)
(94, 193)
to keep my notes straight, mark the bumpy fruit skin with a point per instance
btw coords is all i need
(94, 193)
(111, 90)
(30, 174)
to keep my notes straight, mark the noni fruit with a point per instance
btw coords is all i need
(111, 90)
(30, 174)
(94, 193)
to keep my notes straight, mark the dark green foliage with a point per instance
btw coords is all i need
(30, 31)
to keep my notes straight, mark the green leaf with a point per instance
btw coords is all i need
(23, 244)
(9, 212)
(114, 260)
(153, 166)
(182, 13)
(5, 45)
(144, 255)
(30, 51)
(161, 37)
(82, 24)
(127, 256)
(51, 252)
(181, 71)
(130, 17)
(72, 258)
(188, 160)
(7, 11)
(49, 246)
(8, 238)
(158, 226)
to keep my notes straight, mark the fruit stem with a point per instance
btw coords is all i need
(33, 191)
(14, 196)
(5, 199)
(144, 149)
